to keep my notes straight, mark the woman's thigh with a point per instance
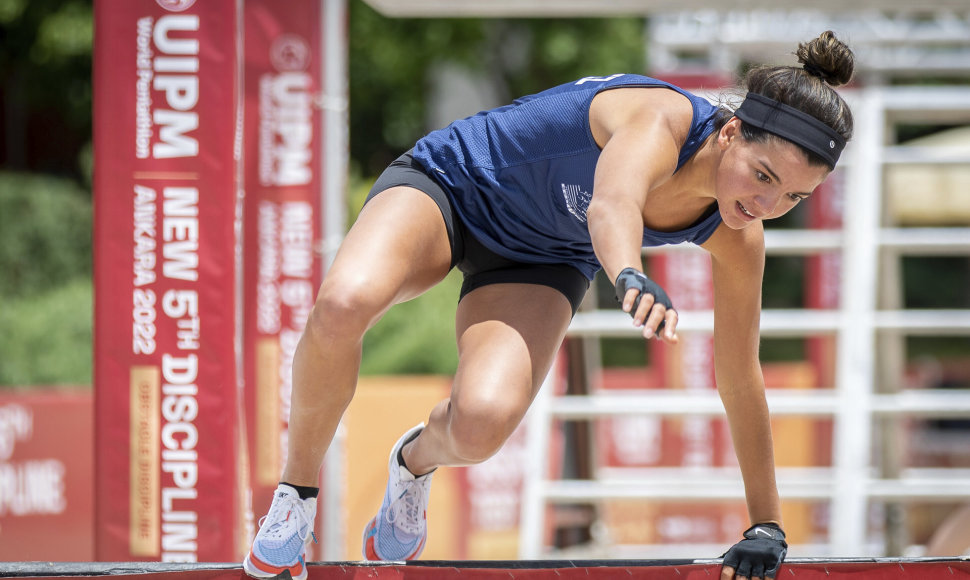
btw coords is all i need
(397, 249)
(508, 336)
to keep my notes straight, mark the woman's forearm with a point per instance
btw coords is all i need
(750, 424)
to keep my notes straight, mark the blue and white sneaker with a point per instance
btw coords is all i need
(280, 546)
(399, 531)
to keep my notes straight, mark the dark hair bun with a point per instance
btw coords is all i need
(828, 58)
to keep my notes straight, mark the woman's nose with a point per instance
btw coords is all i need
(766, 203)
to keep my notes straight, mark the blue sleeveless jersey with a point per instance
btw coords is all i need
(521, 176)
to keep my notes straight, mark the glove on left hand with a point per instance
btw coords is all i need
(760, 553)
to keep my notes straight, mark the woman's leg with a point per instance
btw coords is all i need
(952, 538)
(397, 249)
(508, 336)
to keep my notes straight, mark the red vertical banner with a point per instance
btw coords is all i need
(824, 273)
(168, 430)
(823, 279)
(689, 365)
(283, 226)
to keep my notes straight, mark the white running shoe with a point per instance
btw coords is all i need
(400, 529)
(280, 545)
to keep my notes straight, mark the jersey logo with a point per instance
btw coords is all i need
(577, 201)
(598, 79)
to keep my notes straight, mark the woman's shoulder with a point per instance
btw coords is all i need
(634, 107)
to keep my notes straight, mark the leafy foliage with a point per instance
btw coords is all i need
(45, 234)
(391, 60)
(45, 72)
(417, 336)
(45, 338)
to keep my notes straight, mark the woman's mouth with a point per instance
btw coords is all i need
(745, 212)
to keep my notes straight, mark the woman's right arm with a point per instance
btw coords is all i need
(641, 132)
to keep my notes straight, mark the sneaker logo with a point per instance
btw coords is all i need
(577, 200)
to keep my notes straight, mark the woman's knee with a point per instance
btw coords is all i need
(346, 309)
(481, 426)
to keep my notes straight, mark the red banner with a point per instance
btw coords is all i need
(46, 481)
(283, 225)
(823, 273)
(803, 569)
(168, 443)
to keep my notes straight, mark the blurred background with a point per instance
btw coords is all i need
(906, 180)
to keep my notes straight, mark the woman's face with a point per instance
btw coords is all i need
(761, 181)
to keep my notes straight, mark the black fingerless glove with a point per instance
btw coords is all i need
(632, 278)
(760, 553)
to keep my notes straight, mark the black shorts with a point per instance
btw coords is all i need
(480, 265)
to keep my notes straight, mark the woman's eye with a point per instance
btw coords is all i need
(795, 197)
(762, 177)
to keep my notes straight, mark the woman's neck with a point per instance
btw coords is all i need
(687, 196)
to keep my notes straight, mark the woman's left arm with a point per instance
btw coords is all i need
(738, 263)
(737, 260)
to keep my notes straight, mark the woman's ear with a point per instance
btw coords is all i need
(729, 132)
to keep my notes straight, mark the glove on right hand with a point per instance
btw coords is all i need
(632, 278)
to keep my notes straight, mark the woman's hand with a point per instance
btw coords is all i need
(758, 555)
(648, 304)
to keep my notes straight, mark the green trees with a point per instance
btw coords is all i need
(45, 281)
(391, 61)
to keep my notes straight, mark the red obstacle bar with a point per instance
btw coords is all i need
(796, 569)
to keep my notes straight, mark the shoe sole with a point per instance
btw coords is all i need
(284, 573)
(370, 550)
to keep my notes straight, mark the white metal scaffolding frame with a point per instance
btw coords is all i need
(853, 403)
(907, 43)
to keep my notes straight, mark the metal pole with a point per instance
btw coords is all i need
(334, 166)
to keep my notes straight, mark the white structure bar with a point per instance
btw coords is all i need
(910, 155)
(910, 241)
(925, 101)
(782, 402)
(697, 489)
(940, 403)
(923, 489)
(781, 322)
(773, 323)
(777, 241)
(926, 322)
(679, 403)
(538, 441)
(855, 366)
(800, 242)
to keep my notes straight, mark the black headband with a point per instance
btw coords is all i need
(791, 124)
